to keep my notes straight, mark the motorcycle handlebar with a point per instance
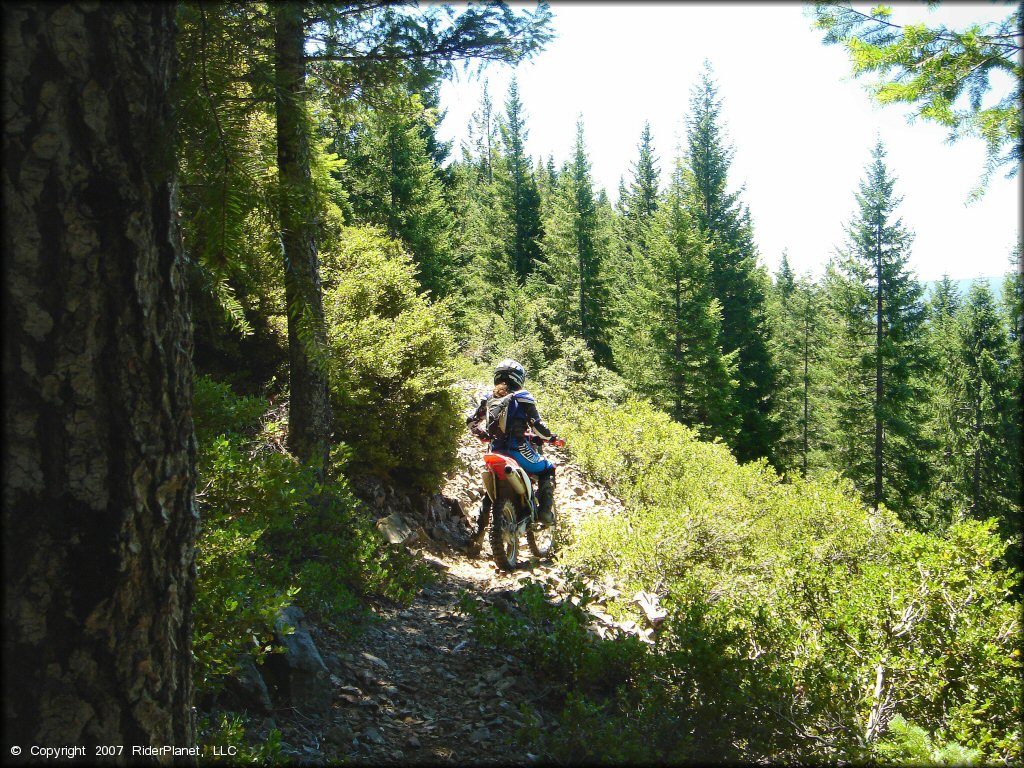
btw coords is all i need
(535, 439)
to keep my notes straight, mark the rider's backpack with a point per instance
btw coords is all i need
(499, 410)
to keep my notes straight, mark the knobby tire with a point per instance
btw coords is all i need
(541, 540)
(505, 549)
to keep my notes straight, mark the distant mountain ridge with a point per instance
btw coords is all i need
(963, 285)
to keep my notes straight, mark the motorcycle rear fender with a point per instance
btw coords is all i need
(489, 484)
(520, 482)
(516, 477)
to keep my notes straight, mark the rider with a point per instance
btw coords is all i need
(510, 376)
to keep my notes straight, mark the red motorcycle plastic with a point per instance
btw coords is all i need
(514, 509)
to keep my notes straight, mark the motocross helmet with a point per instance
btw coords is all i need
(511, 371)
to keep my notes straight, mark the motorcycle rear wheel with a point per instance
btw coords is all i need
(503, 535)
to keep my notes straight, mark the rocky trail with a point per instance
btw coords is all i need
(415, 687)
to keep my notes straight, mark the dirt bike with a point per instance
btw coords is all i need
(514, 508)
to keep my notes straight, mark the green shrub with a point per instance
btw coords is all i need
(513, 332)
(615, 708)
(270, 535)
(632, 728)
(217, 410)
(795, 612)
(391, 357)
(575, 375)
(223, 741)
(234, 605)
(909, 743)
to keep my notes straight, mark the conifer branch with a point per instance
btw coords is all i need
(220, 134)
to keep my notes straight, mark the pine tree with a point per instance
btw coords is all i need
(812, 324)
(739, 284)
(641, 202)
(483, 132)
(942, 309)
(309, 409)
(984, 456)
(1013, 308)
(785, 284)
(1013, 300)
(547, 180)
(519, 192)
(690, 375)
(848, 410)
(880, 358)
(575, 244)
(484, 231)
(99, 515)
(499, 220)
(623, 198)
(438, 151)
(790, 307)
(395, 185)
(632, 220)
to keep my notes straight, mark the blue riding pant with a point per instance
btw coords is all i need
(524, 455)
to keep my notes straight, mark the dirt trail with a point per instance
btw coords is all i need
(416, 687)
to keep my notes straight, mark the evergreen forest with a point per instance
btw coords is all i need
(819, 477)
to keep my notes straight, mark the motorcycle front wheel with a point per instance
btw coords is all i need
(541, 540)
(504, 539)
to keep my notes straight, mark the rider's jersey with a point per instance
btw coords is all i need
(523, 417)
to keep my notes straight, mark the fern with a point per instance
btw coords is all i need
(232, 308)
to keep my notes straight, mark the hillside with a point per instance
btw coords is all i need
(695, 607)
(416, 686)
(963, 285)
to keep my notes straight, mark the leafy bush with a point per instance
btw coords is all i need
(224, 742)
(575, 375)
(801, 623)
(909, 743)
(512, 332)
(217, 410)
(391, 354)
(270, 534)
(621, 702)
(234, 606)
(551, 637)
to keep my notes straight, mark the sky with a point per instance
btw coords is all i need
(801, 126)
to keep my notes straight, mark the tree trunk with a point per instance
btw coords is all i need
(677, 349)
(976, 474)
(309, 415)
(393, 208)
(490, 169)
(579, 261)
(878, 374)
(807, 380)
(98, 511)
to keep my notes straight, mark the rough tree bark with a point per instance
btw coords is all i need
(98, 509)
(309, 415)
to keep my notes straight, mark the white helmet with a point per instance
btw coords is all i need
(511, 371)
